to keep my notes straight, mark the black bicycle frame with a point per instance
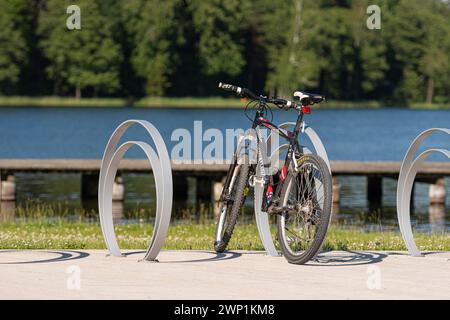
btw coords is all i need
(291, 137)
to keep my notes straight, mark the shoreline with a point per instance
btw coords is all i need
(187, 103)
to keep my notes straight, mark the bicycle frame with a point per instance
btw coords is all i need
(294, 146)
(290, 136)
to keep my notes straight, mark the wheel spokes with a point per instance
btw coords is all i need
(306, 194)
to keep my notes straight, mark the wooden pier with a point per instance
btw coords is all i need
(209, 177)
(352, 168)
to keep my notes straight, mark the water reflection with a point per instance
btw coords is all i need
(117, 210)
(90, 207)
(436, 213)
(7, 210)
(335, 212)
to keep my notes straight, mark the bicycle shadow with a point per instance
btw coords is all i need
(346, 258)
(228, 255)
(62, 255)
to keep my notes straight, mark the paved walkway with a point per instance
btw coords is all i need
(65, 274)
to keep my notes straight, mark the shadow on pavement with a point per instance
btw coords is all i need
(406, 253)
(65, 255)
(216, 256)
(433, 252)
(347, 258)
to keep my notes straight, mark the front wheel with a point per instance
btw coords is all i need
(230, 206)
(306, 197)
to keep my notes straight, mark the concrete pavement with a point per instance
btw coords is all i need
(89, 274)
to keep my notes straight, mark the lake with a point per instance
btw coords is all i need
(348, 134)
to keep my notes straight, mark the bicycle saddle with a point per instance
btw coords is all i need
(308, 98)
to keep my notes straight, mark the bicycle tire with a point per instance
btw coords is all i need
(320, 234)
(221, 242)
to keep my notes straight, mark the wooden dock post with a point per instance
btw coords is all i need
(374, 192)
(336, 190)
(118, 190)
(8, 188)
(437, 191)
(7, 197)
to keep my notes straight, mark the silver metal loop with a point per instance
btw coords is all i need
(160, 163)
(405, 184)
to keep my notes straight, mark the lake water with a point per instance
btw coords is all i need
(348, 134)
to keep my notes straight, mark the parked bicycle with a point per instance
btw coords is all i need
(300, 194)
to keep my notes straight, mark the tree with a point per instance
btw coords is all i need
(181, 48)
(369, 47)
(14, 17)
(420, 38)
(434, 64)
(292, 63)
(220, 26)
(153, 36)
(85, 58)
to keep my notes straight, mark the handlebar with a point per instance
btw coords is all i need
(244, 92)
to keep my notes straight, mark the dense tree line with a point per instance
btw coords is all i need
(135, 48)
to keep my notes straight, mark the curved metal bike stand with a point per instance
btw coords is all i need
(262, 217)
(160, 162)
(405, 184)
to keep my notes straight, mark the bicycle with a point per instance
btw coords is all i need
(302, 197)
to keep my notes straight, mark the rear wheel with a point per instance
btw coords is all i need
(231, 205)
(307, 198)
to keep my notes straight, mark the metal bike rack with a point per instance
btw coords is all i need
(405, 184)
(262, 217)
(160, 162)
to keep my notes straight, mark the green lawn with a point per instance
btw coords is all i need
(183, 102)
(61, 234)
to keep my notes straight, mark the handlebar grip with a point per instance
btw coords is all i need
(230, 87)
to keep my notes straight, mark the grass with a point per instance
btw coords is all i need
(181, 102)
(187, 102)
(434, 106)
(63, 234)
(61, 102)
(190, 102)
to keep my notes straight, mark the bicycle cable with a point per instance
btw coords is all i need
(246, 109)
